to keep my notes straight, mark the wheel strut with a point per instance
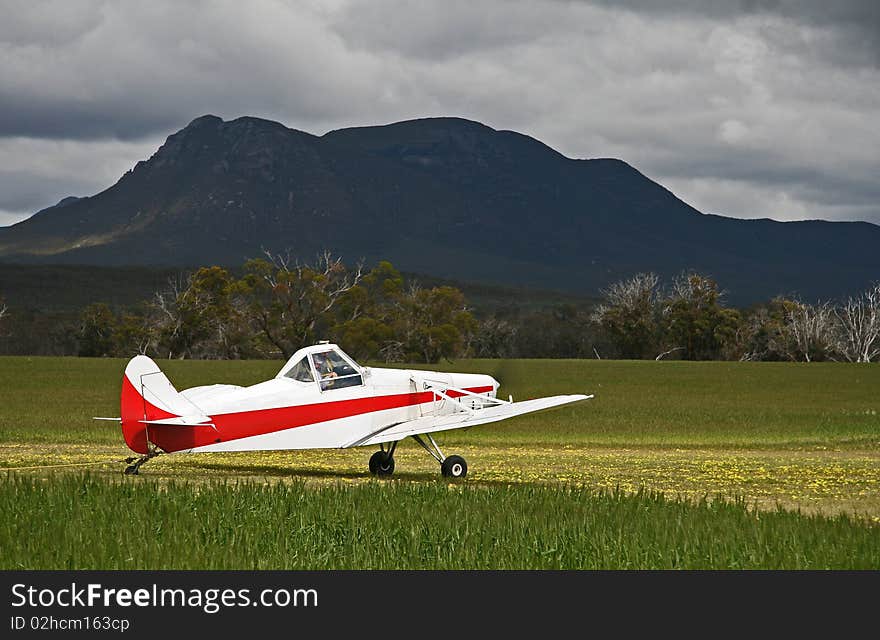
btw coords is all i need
(452, 466)
(435, 452)
(382, 462)
(134, 464)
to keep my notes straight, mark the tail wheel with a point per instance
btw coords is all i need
(382, 463)
(454, 467)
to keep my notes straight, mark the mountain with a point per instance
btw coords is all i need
(61, 203)
(442, 196)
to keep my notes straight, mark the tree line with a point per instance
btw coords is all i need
(274, 305)
(688, 319)
(277, 306)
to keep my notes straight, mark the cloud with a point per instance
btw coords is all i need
(144, 68)
(37, 173)
(844, 14)
(750, 109)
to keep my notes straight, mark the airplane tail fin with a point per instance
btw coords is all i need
(147, 396)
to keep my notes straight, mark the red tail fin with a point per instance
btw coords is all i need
(146, 395)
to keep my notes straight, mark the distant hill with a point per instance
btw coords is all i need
(442, 196)
(59, 288)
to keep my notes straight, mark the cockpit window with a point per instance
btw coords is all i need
(301, 371)
(335, 371)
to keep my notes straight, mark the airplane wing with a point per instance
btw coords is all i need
(462, 419)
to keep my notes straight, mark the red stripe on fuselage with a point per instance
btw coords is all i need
(244, 424)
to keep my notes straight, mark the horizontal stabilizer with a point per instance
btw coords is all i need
(460, 420)
(183, 421)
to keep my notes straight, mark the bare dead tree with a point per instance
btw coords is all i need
(393, 351)
(858, 334)
(495, 339)
(662, 355)
(168, 320)
(682, 287)
(749, 347)
(136, 333)
(631, 294)
(629, 314)
(298, 295)
(4, 310)
(811, 330)
(407, 310)
(337, 279)
(144, 342)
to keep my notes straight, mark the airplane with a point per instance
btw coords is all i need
(321, 398)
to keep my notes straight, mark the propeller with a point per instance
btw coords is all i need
(503, 371)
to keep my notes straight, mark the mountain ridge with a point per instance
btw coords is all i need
(443, 196)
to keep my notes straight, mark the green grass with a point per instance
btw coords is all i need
(656, 404)
(673, 464)
(82, 522)
(686, 404)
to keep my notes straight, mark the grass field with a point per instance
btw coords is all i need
(673, 464)
(404, 526)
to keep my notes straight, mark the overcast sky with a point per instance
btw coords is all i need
(749, 109)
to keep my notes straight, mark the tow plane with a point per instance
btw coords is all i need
(320, 399)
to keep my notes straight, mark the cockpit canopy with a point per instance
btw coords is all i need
(325, 363)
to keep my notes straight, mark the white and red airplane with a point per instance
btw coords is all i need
(320, 399)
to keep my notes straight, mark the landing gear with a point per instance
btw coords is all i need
(134, 464)
(451, 467)
(454, 467)
(382, 462)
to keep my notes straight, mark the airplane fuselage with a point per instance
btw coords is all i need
(284, 413)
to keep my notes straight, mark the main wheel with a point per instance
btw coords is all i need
(454, 467)
(381, 463)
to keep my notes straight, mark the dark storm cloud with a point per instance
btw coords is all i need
(136, 69)
(744, 108)
(861, 14)
(66, 117)
(852, 27)
(455, 27)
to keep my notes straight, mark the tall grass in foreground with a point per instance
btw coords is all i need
(81, 522)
